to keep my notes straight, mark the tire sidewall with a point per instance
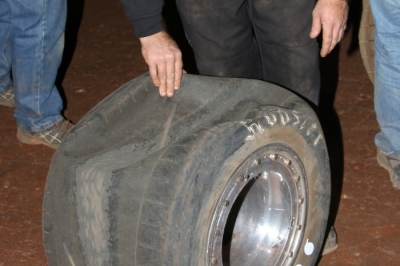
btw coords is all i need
(303, 135)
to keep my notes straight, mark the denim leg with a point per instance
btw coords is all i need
(387, 74)
(37, 43)
(5, 51)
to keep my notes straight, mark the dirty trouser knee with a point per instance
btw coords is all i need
(34, 49)
(290, 57)
(230, 38)
(387, 74)
(220, 33)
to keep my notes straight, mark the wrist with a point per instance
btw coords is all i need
(151, 37)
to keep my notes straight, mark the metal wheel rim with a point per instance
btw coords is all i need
(252, 226)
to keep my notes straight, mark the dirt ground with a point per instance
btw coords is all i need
(102, 54)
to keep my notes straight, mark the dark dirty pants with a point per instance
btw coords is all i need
(259, 39)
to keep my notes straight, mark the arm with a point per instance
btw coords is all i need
(330, 17)
(160, 52)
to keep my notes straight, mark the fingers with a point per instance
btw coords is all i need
(169, 78)
(169, 75)
(178, 74)
(154, 75)
(331, 37)
(329, 41)
(162, 76)
(342, 30)
(316, 27)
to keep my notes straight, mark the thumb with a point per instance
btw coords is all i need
(315, 28)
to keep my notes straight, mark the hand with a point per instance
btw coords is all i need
(330, 16)
(164, 58)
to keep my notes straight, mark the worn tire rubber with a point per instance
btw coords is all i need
(366, 39)
(143, 180)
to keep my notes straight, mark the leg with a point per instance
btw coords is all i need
(221, 36)
(289, 57)
(387, 74)
(387, 84)
(5, 52)
(37, 42)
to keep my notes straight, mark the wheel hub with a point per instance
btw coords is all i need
(261, 215)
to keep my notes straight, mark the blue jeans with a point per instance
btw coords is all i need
(387, 74)
(31, 48)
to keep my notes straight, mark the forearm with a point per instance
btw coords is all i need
(145, 16)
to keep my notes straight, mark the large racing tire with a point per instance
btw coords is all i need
(226, 172)
(366, 39)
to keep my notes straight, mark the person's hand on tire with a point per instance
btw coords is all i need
(164, 59)
(330, 17)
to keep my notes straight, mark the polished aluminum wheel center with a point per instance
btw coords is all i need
(261, 215)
